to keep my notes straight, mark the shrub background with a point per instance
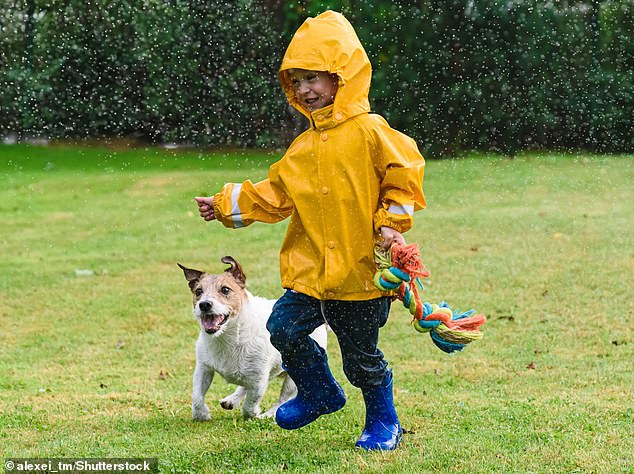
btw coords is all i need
(454, 74)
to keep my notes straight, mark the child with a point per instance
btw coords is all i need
(347, 180)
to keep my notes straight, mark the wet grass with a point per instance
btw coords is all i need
(97, 339)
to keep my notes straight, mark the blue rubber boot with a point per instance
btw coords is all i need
(318, 393)
(382, 429)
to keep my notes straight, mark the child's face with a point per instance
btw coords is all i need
(313, 89)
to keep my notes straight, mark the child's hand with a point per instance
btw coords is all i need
(206, 207)
(391, 236)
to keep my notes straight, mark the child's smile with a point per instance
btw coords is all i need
(313, 89)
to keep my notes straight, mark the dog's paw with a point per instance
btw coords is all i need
(201, 414)
(234, 400)
(253, 412)
(228, 403)
(202, 418)
(270, 413)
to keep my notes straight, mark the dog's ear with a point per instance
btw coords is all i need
(192, 276)
(235, 269)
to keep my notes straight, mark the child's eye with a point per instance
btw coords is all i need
(312, 77)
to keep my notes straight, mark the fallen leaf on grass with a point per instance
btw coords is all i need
(532, 366)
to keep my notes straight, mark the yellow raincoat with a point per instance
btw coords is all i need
(339, 181)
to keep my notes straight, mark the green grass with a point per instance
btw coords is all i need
(542, 244)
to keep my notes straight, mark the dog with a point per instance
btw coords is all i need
(235, 343)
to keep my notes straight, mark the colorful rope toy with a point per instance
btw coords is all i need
(399, 271)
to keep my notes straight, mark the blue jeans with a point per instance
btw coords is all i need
(355, 323)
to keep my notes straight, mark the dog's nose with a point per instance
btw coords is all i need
(204, 306)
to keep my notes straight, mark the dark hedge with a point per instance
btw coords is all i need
(455, 75)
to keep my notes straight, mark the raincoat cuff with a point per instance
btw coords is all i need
(399, 223)
(218, 213)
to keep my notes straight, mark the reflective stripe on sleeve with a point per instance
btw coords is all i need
(236, 215)
(401, 209)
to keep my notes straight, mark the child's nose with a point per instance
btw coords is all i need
(303, 88)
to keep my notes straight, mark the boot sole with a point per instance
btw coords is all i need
(378, 447)
(309, 421)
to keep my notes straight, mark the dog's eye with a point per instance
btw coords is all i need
(199, 291)
(225, 290)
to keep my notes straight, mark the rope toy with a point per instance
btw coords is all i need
(399, 270)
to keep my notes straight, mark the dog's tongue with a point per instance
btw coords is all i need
(212, 323)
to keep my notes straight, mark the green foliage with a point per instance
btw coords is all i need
(454, 74)
(497, 75)
(168, 71)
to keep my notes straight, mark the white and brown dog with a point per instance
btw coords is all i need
(234, 342)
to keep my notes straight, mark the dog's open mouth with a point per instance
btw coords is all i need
(212, 322)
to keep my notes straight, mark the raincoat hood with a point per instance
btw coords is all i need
(328, 42)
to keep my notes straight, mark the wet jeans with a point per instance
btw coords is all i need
(355, 323)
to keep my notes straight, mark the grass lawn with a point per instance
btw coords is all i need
(97, 338)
